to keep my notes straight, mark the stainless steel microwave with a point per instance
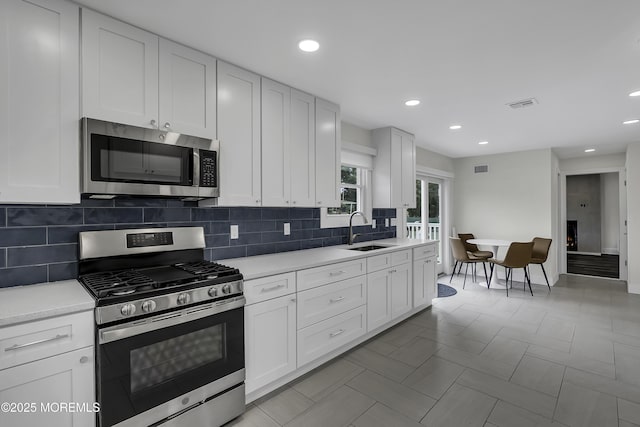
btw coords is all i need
(131, 160)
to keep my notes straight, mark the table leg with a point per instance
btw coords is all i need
(496, 282)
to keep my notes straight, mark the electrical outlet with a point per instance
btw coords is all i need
(287, 228)
(386, 222)
(234, 231)
(394, 222)
(373, 223)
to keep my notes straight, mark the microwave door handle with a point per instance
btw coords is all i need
(196, 167)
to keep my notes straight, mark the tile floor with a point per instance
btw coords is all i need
(570, 357)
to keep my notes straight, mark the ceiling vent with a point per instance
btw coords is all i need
(524, 103)
(481, 169)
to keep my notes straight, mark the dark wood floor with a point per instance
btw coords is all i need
(593, 265)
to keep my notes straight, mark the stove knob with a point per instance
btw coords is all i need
(213, 292)
(148, 306)
(226, 289)
(128, 309)
(184, 298)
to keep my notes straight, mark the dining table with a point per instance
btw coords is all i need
(495, 245)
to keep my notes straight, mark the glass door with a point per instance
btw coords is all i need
(425, 219)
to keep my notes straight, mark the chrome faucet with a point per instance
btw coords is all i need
(351, 235)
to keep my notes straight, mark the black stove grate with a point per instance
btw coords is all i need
(206, 268)
(121, 282)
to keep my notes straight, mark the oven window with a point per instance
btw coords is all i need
(165, 360)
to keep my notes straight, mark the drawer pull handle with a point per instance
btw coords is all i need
(336, 333)
(393, 271)
(19, 346)
(336, 273)
(332, 300)
(272, 288)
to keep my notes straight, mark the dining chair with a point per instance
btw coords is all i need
(518, 256)
(472, 249)
(540, 253)
(461, 256)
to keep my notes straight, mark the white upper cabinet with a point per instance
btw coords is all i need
(119, 71)
(276, 108)
(328, 144)
(302, 143)
(134, 77)
(39, 102)
(239, 135)
(187, 90)
(394, 171)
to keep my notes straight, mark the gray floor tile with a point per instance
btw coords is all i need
(434, 377)
(381, 347)
(253, 417)
(456, 341)
(396, 396)
(593, 345)
(340, 408)
(627, 368)
(505, 350)
(539, 374)
(375, 362)
(285, 406)
(515, 394)
(322, 382)
(624, 423)
(381, 416)
(415, 352)
(483, 329)
(577, 361)
(401, 334)
(629, 411)
(582, 407)
(603, 384)
(480, 363)
(507, 415)
(556, 327)
(535, 339)
(460, 406)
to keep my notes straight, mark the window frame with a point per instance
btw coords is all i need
(364, 198)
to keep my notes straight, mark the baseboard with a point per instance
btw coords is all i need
(584, 253)
(610, 251)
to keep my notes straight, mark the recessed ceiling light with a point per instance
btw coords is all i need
(309, 45)
(636, 93)
(412, 102)
(455, 127)
(589, 150)
(483, 142)
(631, 122)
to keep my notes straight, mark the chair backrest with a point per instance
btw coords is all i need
(541, 248)
(518, 255)
(468, 246)
(458, 250)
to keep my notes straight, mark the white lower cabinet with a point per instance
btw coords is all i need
(270, 340)
(401, 299)
(424, 276)
(41, 387)
(378, 299)
(389, 288)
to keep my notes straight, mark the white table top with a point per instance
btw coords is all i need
(490, 242)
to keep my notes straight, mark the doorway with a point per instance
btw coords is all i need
(426, 220)
(594, 224)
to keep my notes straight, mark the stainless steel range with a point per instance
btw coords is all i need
(170, 328)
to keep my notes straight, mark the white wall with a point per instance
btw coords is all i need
(433, 160)
(610, 201)
(356, 135)
(633, 216)
(588, 163)
(513, 201)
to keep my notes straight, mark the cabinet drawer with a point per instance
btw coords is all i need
(323, 302)
(400, 257)
(318, 276)
(424, 251)
(378, 262)
(31, 341)
(265, 288)
(326, 336)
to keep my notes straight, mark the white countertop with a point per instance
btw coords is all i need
(284, 262)
(20, 304)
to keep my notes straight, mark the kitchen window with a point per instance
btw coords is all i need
(350, 192)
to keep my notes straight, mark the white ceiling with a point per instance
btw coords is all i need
(464, 59)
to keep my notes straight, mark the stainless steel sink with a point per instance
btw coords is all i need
(367, 248)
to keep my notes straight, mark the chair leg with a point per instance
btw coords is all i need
(545, 277)
(485, 272)
(454, 271)
(465, 275)
(507, 271)
(460, 268)
(491, 267)
(528, 279)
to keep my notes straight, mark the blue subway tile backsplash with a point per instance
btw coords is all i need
(40, 243)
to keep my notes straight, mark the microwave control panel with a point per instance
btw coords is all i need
(208, 168)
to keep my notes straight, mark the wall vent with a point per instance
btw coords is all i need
(481, 169)
(523, 103)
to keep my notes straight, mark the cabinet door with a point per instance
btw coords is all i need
(239, 135)
(187, 92)
(408, 160)
(39, 102)
(119, 71)
(270, 340)
(396, 169)
(401, 299)
(303, 146)
(276, 104)
(68, 377)
(424, 282)
(378, 299)
(328, 145)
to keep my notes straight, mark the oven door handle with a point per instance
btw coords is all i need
(118, 332)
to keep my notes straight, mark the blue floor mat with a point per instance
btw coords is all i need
(445, 290)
